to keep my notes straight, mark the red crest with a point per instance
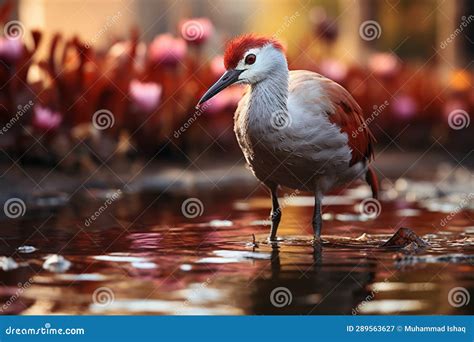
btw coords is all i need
(236, 48)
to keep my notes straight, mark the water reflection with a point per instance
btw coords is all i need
(314, 288)
(141, 255)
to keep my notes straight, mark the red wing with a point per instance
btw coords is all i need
(348, 116)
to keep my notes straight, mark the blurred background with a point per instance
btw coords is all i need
(120, 197)
(86, 82)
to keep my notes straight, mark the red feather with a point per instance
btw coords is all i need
(236, 48)
(348, 116)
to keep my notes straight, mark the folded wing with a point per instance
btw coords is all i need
(343, 111)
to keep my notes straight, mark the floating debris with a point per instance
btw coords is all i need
(407, 212)
(82, 277)
(216, 260)
(363, 237)
(227, 256)
(221, 223)
(435, 259)
(144, 265)
(388, 286)
(469, 230)
(26, 249)
(8, 264)
(254, 243)
(242, 255)
(186, 267)
(405, 238)
(120, 258)
(56, 263)
(431, 236)
(328, 216)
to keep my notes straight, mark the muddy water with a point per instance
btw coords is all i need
(141, 255)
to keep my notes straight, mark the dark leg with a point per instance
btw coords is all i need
(275, 215)
(317, 219)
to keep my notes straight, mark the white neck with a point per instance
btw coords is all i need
(271, 93)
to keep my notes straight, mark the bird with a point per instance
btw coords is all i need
(297, 129)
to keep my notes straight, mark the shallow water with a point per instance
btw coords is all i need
(141, 255)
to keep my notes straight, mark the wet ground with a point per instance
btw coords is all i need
(111, 252)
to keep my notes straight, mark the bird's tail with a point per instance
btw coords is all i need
(371, 179)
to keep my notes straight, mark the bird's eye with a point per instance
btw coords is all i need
(250, 59)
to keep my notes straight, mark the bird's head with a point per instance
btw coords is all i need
(248, 59)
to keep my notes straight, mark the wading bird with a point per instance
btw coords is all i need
(296, 128)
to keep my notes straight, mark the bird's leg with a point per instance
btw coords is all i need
(317, 218)
(275, 215)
